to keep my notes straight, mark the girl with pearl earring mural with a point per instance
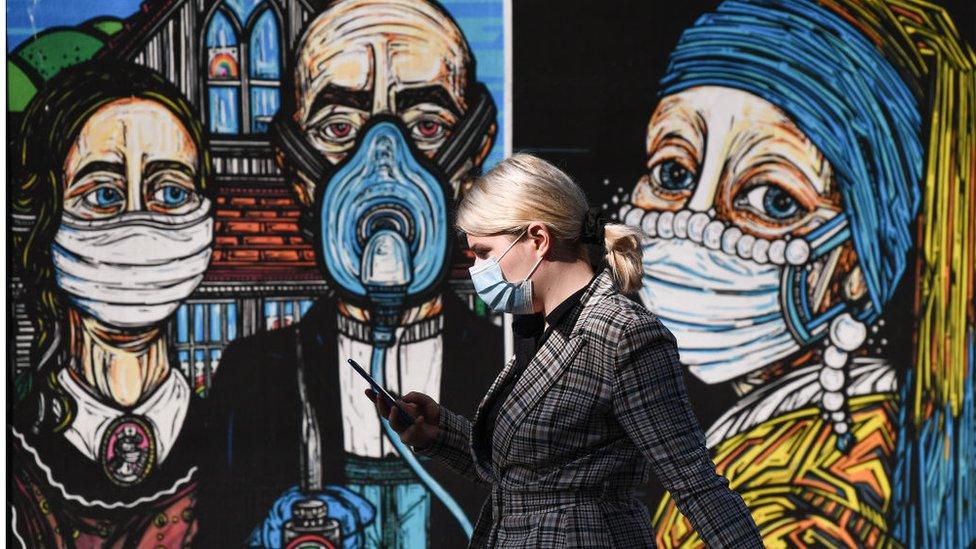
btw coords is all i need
(809, 175)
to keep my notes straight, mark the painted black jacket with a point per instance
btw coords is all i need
(254, 414)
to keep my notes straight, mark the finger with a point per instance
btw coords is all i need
(411, 409)
(424, 403)
(418, 398)
(399, 422)
(408, 435)
(370, 394)
(382, 406)
(394, 420)
(413, 430)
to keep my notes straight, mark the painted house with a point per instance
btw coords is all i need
(263, 273)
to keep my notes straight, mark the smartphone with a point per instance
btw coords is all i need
(403, 415)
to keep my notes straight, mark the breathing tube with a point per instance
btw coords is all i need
(391, 215)
(378, 371)
(386, 275)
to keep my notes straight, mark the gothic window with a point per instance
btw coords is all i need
(243, 45)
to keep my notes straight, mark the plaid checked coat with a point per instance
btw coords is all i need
(601, 405)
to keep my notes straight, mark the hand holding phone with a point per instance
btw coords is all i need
(403, 416)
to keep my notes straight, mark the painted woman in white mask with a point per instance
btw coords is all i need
(784, 176)
(112, 230)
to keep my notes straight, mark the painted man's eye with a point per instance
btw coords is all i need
(171, 196)
(671, 175)
(338, 130)
(104, 197)
(428, 129)
(771, 201)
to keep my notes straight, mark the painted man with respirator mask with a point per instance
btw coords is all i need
(382, 122)
(112, 229)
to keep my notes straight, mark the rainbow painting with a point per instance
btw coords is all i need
(223, 66)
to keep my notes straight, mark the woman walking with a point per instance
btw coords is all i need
(593, 400)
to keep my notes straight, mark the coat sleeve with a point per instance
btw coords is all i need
(453, 445)
(650, 402)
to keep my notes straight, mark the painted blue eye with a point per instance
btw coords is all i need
(672, 176)
(171, 196)
(773, 202)
(104, 197)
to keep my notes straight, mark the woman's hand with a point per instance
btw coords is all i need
(424, 429)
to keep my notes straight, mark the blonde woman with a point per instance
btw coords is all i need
(593, 399)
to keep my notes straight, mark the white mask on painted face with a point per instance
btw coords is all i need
(724, 311)
(734, 302)
(132, 270)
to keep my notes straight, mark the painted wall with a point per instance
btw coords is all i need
(803, 172)
(719, 138)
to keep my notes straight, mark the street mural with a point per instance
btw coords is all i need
(195, 180)
(808, 197)
(213, 204)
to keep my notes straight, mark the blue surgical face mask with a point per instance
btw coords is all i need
(500, 294)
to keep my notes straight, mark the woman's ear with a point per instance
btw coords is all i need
(538, 234)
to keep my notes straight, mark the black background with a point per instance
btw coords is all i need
(585, 84)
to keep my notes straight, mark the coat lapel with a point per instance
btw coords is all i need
(481, 460)
(548, 365)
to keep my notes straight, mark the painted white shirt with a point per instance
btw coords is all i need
(412, 366)
(165, 410)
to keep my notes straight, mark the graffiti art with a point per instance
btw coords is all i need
(213, 204)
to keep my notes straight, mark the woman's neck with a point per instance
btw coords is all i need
(558, 286)
(123, 367)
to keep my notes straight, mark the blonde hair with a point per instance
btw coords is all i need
(524, 188)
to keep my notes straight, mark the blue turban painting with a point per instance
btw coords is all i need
(798, 177)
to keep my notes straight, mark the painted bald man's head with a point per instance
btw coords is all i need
(360, 58)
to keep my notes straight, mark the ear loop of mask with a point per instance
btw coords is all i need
(512, 245)
(844, 327)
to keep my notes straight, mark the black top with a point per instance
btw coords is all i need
(528, 337)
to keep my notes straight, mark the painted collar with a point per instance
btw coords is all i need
(165, 411)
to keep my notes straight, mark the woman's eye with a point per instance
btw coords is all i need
(671, 175)
(428, 129)
(771, 201)
(171, 196)
(104, 197)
